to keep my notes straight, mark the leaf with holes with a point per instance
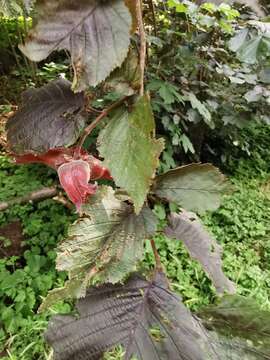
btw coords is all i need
(145, 317)
(130, 151)
(105, 244)
(97, 34)
(49, 117)
(195, 187)
(201, 246)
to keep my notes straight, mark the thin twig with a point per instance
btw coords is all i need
(157, 257)
(37, 195)
(87, 131)
(152, 8)
(142, 44)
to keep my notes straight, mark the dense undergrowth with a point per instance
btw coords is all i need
(241, 225)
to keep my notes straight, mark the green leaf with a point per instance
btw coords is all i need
(97, 34)
(167, 91)
(238, 40)
(130, 151)
(49, 117)
(126, 79)
(201, 246)
(240, 320)
(71, 290)
(195, 187)
(202, 109)
(248, 53)
(146, 318)
(106, 243)
(10, 8)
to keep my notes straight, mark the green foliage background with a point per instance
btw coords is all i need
(241, 225)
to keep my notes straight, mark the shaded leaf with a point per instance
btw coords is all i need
(242, 327)
(238, 40)
(201, 247)
(106, 243)
(49, 117)
(150, 322)
(201, 108)
(131, 4)
(195, 187)
(145, 317)
(130, 151)
(126, 79)
(97, 34)
(249, 51)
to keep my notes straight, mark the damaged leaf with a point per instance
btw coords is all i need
(105, 244)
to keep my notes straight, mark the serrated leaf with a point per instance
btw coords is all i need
(97, 34)
(71, 290)
(241, 322)
(195, 187)
(106, 243)
(201, 246)
(130, 151)
(201, 108)
(126, 79)
(49, 117)
(145, 317)
(151, 323)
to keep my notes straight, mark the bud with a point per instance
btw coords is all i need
(74, 177)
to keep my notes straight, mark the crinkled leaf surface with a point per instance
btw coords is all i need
(148, 320)
(107, 242)
(201, 246)
(151, 323)
(97, 34)
(243, 328)
(130, 150)
(49, 117)
(195, 187)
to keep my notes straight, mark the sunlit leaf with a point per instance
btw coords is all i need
(97, 34)
(49, 117)
(145, 317)
(201, 246)
(195, 187)
(10, 8)
(130, 151)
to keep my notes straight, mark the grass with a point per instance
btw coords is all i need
(241, 225)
